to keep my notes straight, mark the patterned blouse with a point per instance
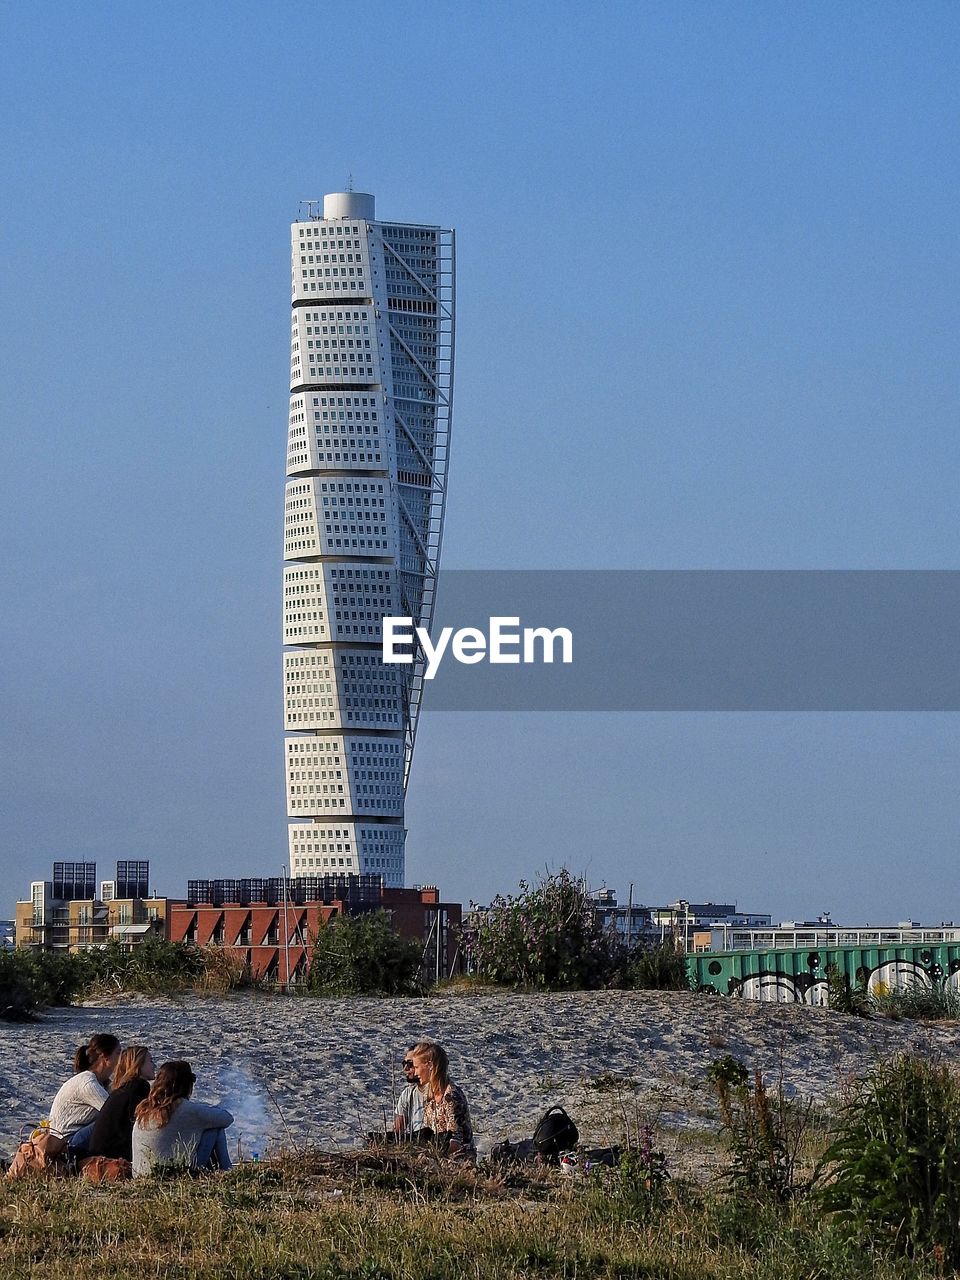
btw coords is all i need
(450, 1114)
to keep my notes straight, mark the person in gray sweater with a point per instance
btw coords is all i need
(169, 1128)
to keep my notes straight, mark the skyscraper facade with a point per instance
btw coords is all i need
(371, 391)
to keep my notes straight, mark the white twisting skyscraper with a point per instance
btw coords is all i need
(371, 386)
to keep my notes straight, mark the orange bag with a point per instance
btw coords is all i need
(43, 1152)
(97, 1169)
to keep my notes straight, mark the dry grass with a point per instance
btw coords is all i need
(394, 1215)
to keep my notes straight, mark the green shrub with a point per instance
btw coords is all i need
(657, 967)
(845, 996)
(154, 966)
(363, 955)
(63, 976)
(893, 1170)
(31, 980)
(640, 1185)
(546, 937)
(19, 993)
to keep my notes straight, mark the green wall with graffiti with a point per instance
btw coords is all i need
(801, 976)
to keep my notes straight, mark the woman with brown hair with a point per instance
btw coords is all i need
(445, 1109)
(171, 1129)
(112, 1134)
(78, 1102)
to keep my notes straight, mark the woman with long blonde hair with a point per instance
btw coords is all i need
(112, 1134)
(170, 1128)
(445, 1109)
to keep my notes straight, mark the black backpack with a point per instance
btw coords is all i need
(555, 1132)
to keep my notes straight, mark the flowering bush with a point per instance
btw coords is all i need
(546, 937)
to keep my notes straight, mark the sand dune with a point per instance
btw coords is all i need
(311, 1071)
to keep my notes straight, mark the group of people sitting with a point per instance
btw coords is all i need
(431, 1108)
(120, 1106)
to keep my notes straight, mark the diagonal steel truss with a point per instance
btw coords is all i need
(418, 583)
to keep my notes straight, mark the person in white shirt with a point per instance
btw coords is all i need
(78, 1102)
(408, 1116)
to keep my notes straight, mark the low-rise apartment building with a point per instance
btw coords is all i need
(66, 913)
(267, 924)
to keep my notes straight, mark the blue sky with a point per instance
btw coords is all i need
(708, 305)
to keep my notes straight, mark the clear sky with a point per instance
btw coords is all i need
(708, 312)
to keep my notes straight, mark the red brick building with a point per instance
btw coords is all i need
(270, 925)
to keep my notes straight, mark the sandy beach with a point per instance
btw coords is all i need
(302, 1071)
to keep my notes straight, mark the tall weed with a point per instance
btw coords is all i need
(846, 996)
(766, 1131)
(937, 1003)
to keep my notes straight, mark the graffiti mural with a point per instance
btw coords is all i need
(782, 988)
(801, 977)
(898, 975)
